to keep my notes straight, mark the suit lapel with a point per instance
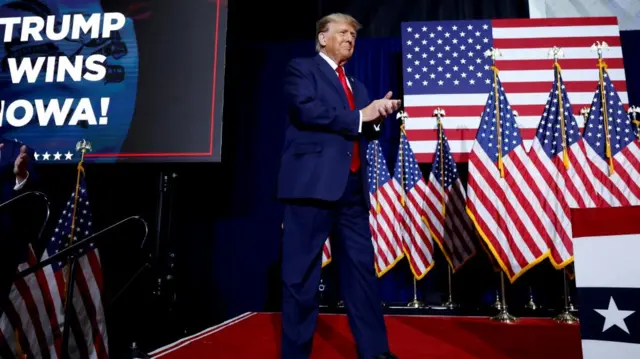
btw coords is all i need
(332, 76)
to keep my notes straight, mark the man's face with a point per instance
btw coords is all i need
(339, 41)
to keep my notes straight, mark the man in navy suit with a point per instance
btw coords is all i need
(15, 178)
(323, 185)
(14, 168)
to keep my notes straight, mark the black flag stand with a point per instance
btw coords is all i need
(12, 253)
(19, 198)
(71, 254)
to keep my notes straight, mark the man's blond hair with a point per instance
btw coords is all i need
(323, 24)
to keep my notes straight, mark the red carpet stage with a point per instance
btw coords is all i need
(257, 335)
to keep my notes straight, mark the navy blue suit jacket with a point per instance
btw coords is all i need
(8, 156)
(320, 131)
(15, 220)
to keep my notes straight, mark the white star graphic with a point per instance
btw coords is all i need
(614, 316)
(36, 155)
(57, 156)
(46, 156)
(68, 155)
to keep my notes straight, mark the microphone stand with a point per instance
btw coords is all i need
(71, 254)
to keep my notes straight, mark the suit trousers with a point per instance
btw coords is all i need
(307, 224)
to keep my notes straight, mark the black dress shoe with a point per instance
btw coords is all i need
(385, 356)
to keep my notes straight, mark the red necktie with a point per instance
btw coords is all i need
(355, 158)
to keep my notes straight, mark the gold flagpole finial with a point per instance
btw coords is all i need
(83, 146)
(439, 112)
(402, 117)
(584, 112)
(600, 47)
(556, 53)
(493, 53)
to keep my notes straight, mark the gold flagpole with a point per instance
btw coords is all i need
(82, 146)
(493, 52)
(504, 315)
(439, 114)
(602, 66)
(402, 117)
(557, 52)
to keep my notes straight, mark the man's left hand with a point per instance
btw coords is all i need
(21, 164)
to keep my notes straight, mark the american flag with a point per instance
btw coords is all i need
(443, 66)
(500, 199)
(563, 177)
(450, 225)
(616, 173)
(383, 213)
(409, 182)
(36, 311)
(326, 253)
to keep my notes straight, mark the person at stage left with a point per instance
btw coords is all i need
(323, 184)
(14, 168)
(16, 177)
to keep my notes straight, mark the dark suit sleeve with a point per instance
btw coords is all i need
(18, 224)
(7, 182)
(302, 100)
(8, 179)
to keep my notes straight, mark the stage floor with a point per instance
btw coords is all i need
(257, 335)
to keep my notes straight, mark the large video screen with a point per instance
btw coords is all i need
(140, 80)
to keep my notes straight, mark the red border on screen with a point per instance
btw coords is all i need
(213, 113)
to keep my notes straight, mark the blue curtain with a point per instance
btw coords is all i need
(630, 41)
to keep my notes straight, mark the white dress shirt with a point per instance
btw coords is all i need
(20, 184)
(334, 66)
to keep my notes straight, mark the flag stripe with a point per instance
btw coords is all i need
(556, 22)
(567, 64)
(543, 42)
